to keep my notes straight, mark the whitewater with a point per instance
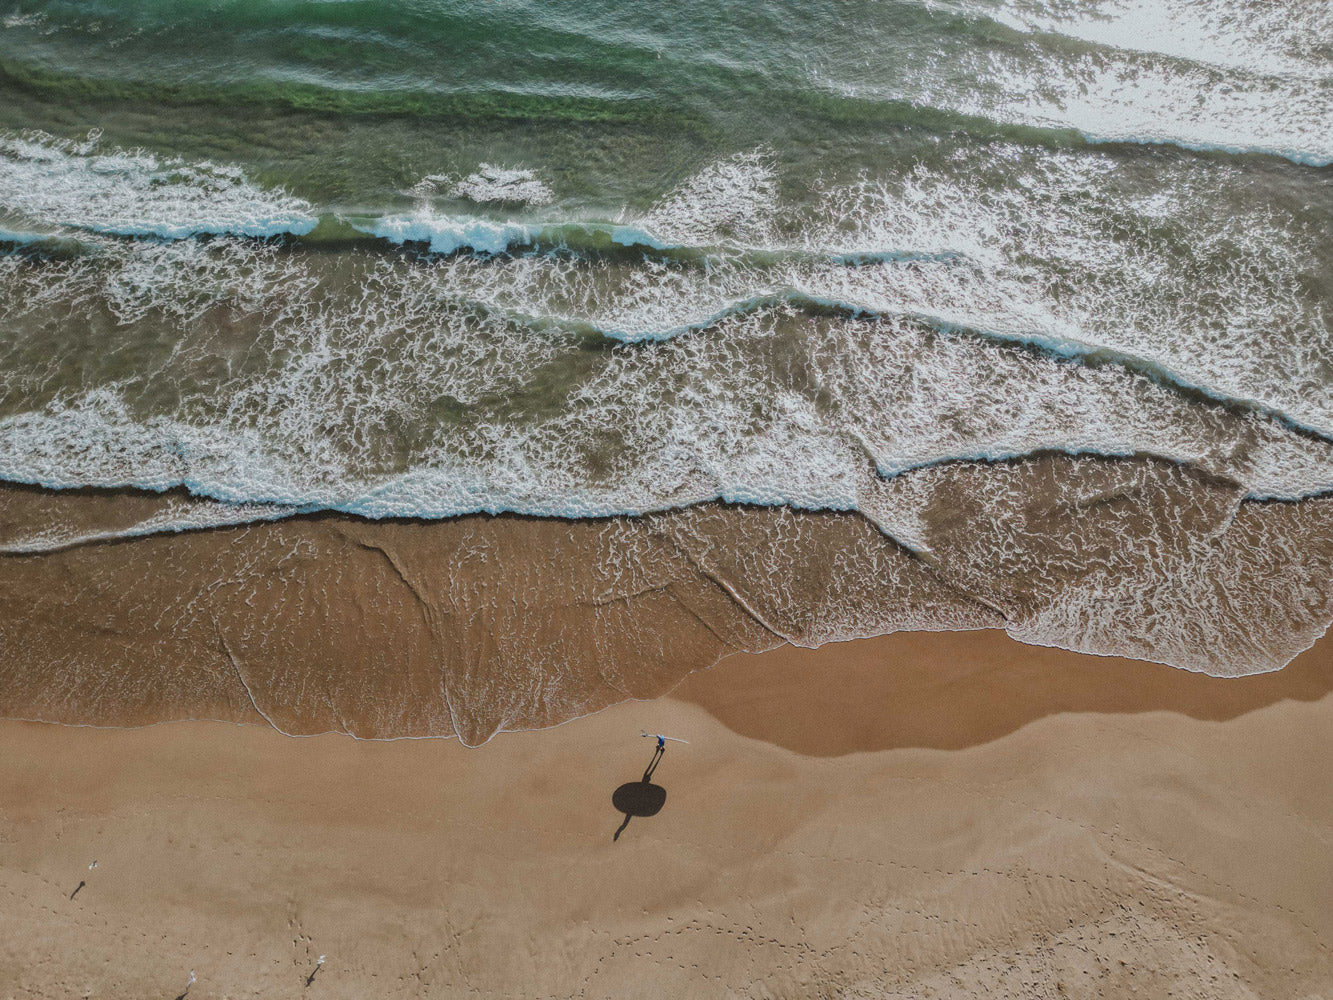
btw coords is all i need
(930, 322)
(582, 266)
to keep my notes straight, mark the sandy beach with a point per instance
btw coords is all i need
(782, 501)
(942, 815)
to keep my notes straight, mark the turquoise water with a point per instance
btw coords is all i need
(348, 102)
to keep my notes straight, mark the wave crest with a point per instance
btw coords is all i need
(50, 181)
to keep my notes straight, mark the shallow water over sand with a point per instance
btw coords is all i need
(764, 324)
(469, 626)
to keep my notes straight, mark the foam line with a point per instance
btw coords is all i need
(56, 182)
(445, 234)
(1058, 345)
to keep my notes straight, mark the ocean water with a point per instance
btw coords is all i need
(583, 259)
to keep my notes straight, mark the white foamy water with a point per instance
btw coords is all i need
(491, 184)
(901, 322)
(445, 234)
(176, 515)
(1216, 306)
(1138, 559)
(488, 185)
(1255, 36)
(1112, 100)
(909, 344)
(1231, 76)
(56, 182)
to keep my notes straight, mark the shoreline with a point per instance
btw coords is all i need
(479, 625)
(908, 684)
(1084, 852)
(877, 661)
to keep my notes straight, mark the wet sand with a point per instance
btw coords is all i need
(478, 625)
(953, 690)
(916, 816)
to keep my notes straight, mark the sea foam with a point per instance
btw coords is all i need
(907, 320)
(57, 182)
(1219, 76)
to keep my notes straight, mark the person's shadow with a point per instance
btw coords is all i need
(640, 798)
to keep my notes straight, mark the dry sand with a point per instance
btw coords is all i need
(915, 816)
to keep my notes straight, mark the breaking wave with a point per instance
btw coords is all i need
(953, 286)
(904, 321)
(57, 182)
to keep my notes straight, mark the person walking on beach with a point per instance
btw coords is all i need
(662, 739)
